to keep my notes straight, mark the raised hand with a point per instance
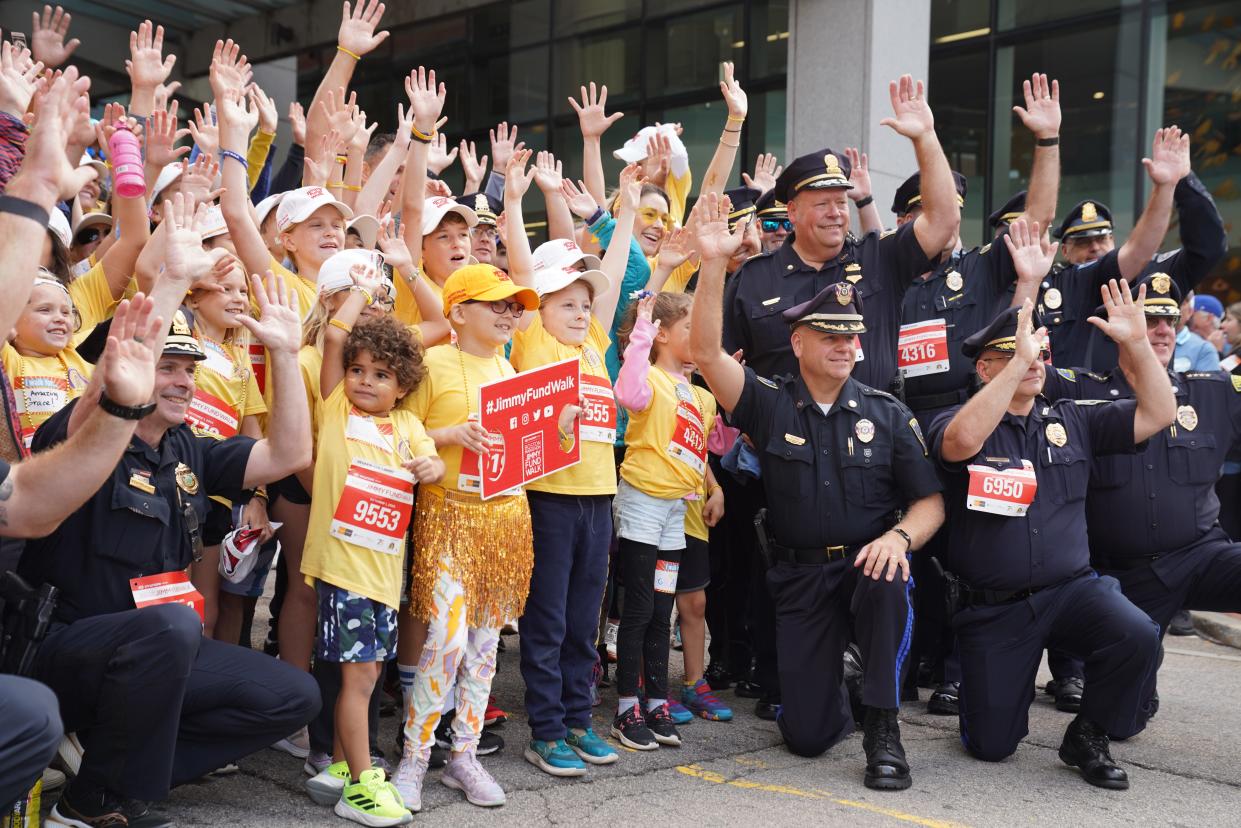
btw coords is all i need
(517, 178)
(113, 119)
(677, 247)
(19, 78)
(581, 203)
(426, 98)
(438, 156)
(47, 37)
(646, 309)
(367, 276)
(1032, 253)
(658, 161)
(362, 136)
(734, 95)
(297, 123)
(766, 171)
(1041, 114)
(1169, 159)
(630, 191)
(269, 116)
(1126, 316)
(341, 113)
(279, 325)
(319, 161)
(197, 179)
(548, 172)
(46, 174)
(473, 166)
(1029, 342)
(184, 257)
(206, 132)
(710, 217)
(147, 67)
(591, 117)
(164, 93)
(504, 143)
(859, 174)
(912, 115)
(357, 27)
(392, 245)
(128, 360)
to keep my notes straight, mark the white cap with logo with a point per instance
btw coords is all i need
(298, 205)
(434, 210)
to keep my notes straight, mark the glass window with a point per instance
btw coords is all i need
(953, 20)
(1012, 14)
(613, 60)
(585, 15)
(509, 87)
(510, 25)
(764, 129)
(957, 86)
(684, 53)
(768, 49)
(1195, 69)
(1098, 69)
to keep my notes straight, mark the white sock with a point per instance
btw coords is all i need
(653, 704)
(406, 673)
(625, 703)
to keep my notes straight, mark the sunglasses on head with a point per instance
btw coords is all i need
(650, 215)
(773, 225)
(500, 306)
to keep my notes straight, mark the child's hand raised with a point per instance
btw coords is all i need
(646, 307)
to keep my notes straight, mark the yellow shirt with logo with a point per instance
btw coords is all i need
(307, 293)
(446, 397)
(534, 347)
(651, 461)
(43, 385)
(346, 436)
(225, 391)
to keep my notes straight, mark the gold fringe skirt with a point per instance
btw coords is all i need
(486, 545)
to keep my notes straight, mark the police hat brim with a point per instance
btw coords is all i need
(177, 345)
(844, 325)
(1086, 234)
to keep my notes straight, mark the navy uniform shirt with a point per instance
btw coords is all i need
(1048, 544)
(1066, 297)
(967, 292)
(125, 531)
(825, 484)
(1162, 498)
(880, 267)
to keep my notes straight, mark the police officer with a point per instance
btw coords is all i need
(1169, 552)
(1016, 477)
(840, 462)
(1087, 242)
(1007, 213)
(484, 236)
(773, 221)
(154, 702)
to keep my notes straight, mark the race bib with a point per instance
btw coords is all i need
(375, 507)
(258, 364)
(599, 411)
(923, 348)
(689, 442)
(1008, 493)
(166, 588)
(469, 476)
(211, 416)
(857, 343)
(666, 576)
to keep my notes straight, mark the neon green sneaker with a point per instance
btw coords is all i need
(325, 786)
(372, 801)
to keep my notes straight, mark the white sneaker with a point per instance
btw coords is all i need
(609, 638)
(409, 776)
(53, 780)
(464, 773)
(296, 745)
(70, 753)
(325, 786)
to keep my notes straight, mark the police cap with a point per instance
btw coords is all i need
(1000, 335)
(484, 206)
(742, 199)
(909, 194)
(1009, 212)
(768, 207)
(1085, 220)
(837, 310)
(816, 171)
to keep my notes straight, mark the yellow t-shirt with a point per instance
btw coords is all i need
(667, 442)
(595, 474)
(310, 360)
(225, 391)
(446, 397)
(678, 278)
(406, 310)
(307, 294)
(44, 385)
(695, 526)
(92, 296)
(363, 498)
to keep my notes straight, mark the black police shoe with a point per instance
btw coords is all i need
(1068, 692)
(718, 676)
(886, 768)
(140, 815)
(1085, 747)
(767, 708)
(747, 689)
(1181, 624)
(945, 700)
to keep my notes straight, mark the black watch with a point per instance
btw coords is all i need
(909, 542)
(125, 412)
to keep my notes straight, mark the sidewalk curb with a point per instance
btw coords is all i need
(1219, 627)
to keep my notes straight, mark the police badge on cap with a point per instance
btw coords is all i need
(836, 310)
(816, 171)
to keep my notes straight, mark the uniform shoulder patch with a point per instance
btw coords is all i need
(1163, 257)
(1217, 376)
(886, 233)
(1236, 384)
(917, 430)
(1097, 377)
(982, 251)
(1068, 373)
(1089, 402)
(875, 392)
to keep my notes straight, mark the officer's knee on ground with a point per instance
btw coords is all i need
(801, 743)
(989, 748)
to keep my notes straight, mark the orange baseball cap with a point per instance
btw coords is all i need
(485, 283)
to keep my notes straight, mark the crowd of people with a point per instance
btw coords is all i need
(865, 460)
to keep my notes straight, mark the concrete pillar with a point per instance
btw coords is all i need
(842, 54)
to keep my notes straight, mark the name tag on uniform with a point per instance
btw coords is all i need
(794, 440)
(166, 588)
(772, 301)
(1007, 492)
(922, 348)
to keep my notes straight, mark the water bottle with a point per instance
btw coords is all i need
(127, 164)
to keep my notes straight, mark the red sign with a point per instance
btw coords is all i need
(166, 588)
(521, 414)
(375, 507)
(923, 348)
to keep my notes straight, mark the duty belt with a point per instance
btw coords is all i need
(1126, 563)
(993, 597)
(811, 556)
(927, 402)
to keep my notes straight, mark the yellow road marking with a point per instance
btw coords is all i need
(718, 779)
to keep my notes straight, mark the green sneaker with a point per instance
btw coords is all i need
(554, 758)
(590, 747)
(372, 801)
(325, 786)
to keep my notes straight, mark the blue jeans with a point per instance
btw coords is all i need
(571, 539)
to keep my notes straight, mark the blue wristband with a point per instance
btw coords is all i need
(598, 214)
(236, 157)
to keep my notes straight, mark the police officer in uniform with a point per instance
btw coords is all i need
(774, 226)
(1016, 472)
(850, 494)
(1087, 242)
(485, 238)
(1007, 213)
(1169, 552)
(154, 703)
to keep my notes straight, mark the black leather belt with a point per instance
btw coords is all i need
(1125, 564)
(994, 597)
(811, 557)
(928, 402)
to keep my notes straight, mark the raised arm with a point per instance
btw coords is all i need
(724, 375)
(132, 229)
(147, 67)
(594, 122)
(1168, 164)
(366, 281)
(517, 180)
(47, 37)
(614, 260)
(370, 200)
(426, 98)
(355, 38)
(721, 166)
(912, 117)
(1032, 254)
(862, 193)
(1041, 115)
(433, 328)
(548, 174)
(236, 120)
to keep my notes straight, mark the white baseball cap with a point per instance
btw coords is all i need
(213, 223)
(93, 220)
(170, 173)
(634, 149)
(264, 207)
(367, 227)
(434, 210)
(58, 224)
(89, 160)
(558, 254)
(552, 279)
(335, 273)
(298, 205)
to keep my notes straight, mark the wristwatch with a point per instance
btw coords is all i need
(909, 542)
(125, 412)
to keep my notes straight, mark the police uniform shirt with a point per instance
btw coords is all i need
(1048, 544)
(967, 292)
(879, 266)
(1066, 297)
(134, 525)
(832, 479)
(1203, 242)
(1162, 498)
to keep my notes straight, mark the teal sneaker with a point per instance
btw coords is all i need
(590, 747)
(703, 702)
(554, 757)
(678, 712)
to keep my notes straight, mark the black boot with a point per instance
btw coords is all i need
(945, 700)
(1068, 692)
(886, 768)
(718, 676)
(1085, 747)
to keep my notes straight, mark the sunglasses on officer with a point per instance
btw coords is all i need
(650, 215)
(500, 306)
(774, 225)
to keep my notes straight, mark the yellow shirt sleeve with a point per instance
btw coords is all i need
(256, 156)
(92, 296)
(678, 188)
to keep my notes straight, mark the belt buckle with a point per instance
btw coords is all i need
(831, 551)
